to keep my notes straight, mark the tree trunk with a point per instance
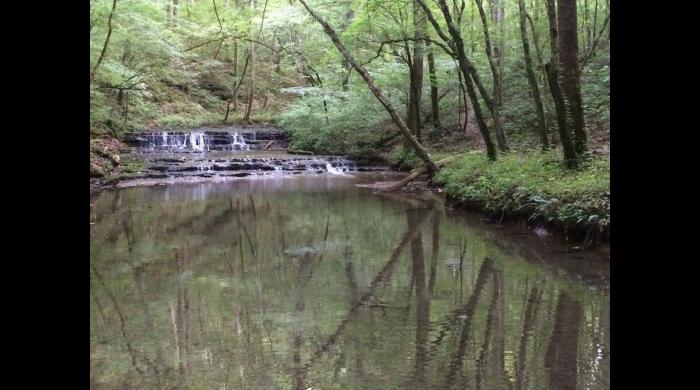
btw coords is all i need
(552, 71)
(568, 63)
(104, 47)
(251, 89)
(468, 71)
(553, 34)
(422, 153)
(251, 92)
(416, 85)
(235, 47)
(499, 53)
(235, 69)
(493, 55)
(435, 113)
(235, 58)
(532, 79)
(235, 92)
(566, 143)
(463, 98)
(540, 64)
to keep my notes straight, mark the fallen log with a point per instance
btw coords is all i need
(415, 173)
(268, 145)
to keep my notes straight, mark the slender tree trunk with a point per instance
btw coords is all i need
(532, 79)
(251, 92)
(235, 58)
(466, 103)
(569, 65)
(251, 89)
(104, 47)
(553, 34)
(416, 85)
(566, 143)
(499, 54)
(468, 71)
(435, 113)
(540, 64)
(235, 45)
(235, 91)
(493, 55)
(422, 153)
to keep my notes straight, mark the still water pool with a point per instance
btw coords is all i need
(313, 282)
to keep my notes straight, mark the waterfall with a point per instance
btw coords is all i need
(333, 170)
(197, 142)
(238, 143)
(234, 154)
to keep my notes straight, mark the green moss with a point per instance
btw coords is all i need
(537, 187)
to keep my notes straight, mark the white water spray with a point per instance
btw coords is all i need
(333, 170)
(238, 142)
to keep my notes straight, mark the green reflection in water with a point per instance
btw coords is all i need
(314, 283)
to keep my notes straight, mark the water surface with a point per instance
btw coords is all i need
(311, 282)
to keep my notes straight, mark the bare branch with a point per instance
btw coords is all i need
(590, 52)
(403, 40)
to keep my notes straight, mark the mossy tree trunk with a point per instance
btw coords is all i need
(566, 142)
(569, 65)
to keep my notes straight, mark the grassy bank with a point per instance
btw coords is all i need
(537, 188)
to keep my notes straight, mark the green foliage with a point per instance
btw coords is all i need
(403, 157)
(348, 129)
(536, 187)
(177, 73)
(595, 90)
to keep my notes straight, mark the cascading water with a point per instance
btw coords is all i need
(332, 170)
(196, 141)
(238, 143)
(230, 153)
